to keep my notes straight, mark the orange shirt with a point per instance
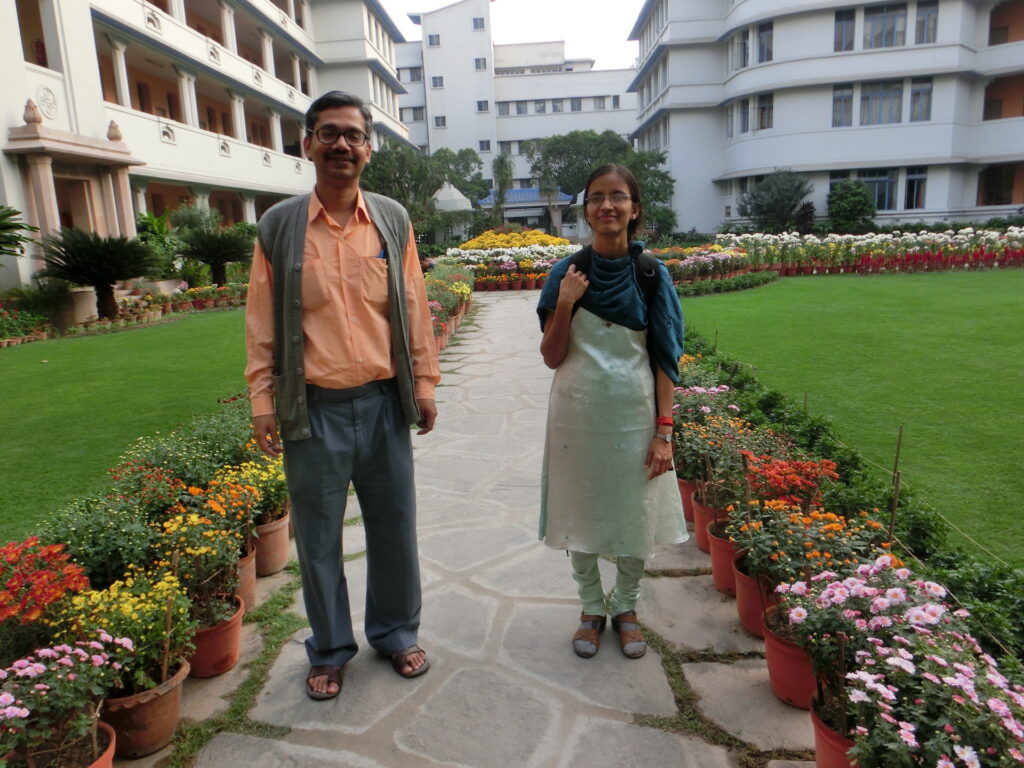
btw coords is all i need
(345, 318)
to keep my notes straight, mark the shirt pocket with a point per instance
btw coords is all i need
(374, 283)
(314, 288)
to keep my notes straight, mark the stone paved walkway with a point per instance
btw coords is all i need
(499, 608)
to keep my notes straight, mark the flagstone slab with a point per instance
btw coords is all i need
(728, 695)
(692, 615)
(458, 549)
(480, 718)
(538, 573)
(202, 699)
(537, 644)
(236, 749)
(684, 556)
(602, 743)
(370, 690)
(458, 619)
(464, 473)
(472, 425)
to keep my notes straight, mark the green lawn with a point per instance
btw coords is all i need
(938, 353)
(71, 406)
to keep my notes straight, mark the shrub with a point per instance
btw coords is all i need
(851, 207)
(773, 202)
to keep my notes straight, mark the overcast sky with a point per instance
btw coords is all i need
(592, 29)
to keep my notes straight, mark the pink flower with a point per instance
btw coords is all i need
(97, 660)
(944, 762)
(879, 604)
(705, 409)
(896, 595)
(6, 699)
(857, 696)
(968, 756)
(797, 615)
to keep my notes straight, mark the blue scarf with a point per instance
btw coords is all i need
(614, 296)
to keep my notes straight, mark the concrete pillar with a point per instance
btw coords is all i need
(304, 8)
(227, 23)
(267, 44)
(238, 115)
(177, 9)
(290, 5)
(296, 71)
(276, 139)
(44, 194)
(110, 212)
(200, 196)
(249, 208)
(311, 79)
(187, 97)
(123, 202)
(139, 196)
(118, 48)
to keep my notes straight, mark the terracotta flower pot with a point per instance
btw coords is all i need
(517, 285)
(246, 588)
(217, 647)
(789, 667)
(723, 550)
(272, 546)
(106, 759)
(701, 517)
(830, 746)
(503, 286)
(752, 596)
(145, 722)
(686, 491)
(530, 285)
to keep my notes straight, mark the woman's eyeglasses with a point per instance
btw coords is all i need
(617, 198)
(328, 134)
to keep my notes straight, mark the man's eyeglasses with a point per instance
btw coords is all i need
(328, 134)
(617, 198)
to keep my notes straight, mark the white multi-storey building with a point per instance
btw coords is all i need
(140, 105)
(463, 91)
(923, 100)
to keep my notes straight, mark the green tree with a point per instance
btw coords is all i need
(86, 258)
(656, 187)
(773, 203)
(851, 207)
(12, 232)
(155, 231)
(501, 167)
(464, 169)
(403, 174)
(218, 247)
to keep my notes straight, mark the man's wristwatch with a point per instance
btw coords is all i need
(666, 438)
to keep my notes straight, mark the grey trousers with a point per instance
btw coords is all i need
(358, 435)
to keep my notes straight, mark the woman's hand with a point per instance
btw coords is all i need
(573, 286)
(659, 458)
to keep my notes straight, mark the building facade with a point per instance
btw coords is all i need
(465, 91)
(116, 107)
(922, 100)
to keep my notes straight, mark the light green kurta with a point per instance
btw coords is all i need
(595, 495)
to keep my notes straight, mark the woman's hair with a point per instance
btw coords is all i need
(634, 192)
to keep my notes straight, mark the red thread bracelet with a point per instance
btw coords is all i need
(664, 421)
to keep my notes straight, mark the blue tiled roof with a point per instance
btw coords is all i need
(525, 196)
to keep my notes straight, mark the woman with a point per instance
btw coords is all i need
(613, 333)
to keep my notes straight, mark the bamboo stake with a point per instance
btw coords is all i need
(895, 502)
(899, 446)
(714, 348)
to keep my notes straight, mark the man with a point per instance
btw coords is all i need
(341, 361)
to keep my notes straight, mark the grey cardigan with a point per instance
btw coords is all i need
(282, 236)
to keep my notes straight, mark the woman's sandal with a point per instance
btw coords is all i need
(631, 639)
(587, 639)
(333, 675)
(400, 660)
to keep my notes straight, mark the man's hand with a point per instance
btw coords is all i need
(264, 429)
(428, 413)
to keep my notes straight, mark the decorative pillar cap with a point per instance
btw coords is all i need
(113, 132)
(32, 113)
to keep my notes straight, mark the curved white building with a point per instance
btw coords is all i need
(923, 100)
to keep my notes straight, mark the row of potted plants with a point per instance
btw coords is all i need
(880, 652)
(150, 579)
(449, 296)
(18, 326)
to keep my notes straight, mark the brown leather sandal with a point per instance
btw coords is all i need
(333, 675)
(400, 660)
(631, 639)
(587, 639)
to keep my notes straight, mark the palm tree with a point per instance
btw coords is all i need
(218, 247)
(11, 238)
(501, 167)
(86, 258)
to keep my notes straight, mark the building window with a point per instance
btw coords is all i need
(414, 75)
(920, 99)
(525, 183)
(744, 115)
(478, 22)
(741, 49)
(556, 105)
(540, 107)
(842, 105)
(765, 110)
(995, 184)
(836, 177)
(483, 106)
(575, 105)
(502, 109)
(730, 116)
(846, 21)
(765, 32)
(998, 35)
(882, 183)
(411, 114)
(615, 102)
(927, 21)
(437, 81)
(433, 40)
(440, 121)
(881, 102)
(917, 181)
(520, 107)
(885, 26)
(485, 145)
(480, 64)
(505, 147)
(599, 104)
(993, 110)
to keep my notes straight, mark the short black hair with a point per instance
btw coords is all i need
(634, 191)
(333, 99)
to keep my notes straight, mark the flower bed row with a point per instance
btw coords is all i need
(901, 673)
